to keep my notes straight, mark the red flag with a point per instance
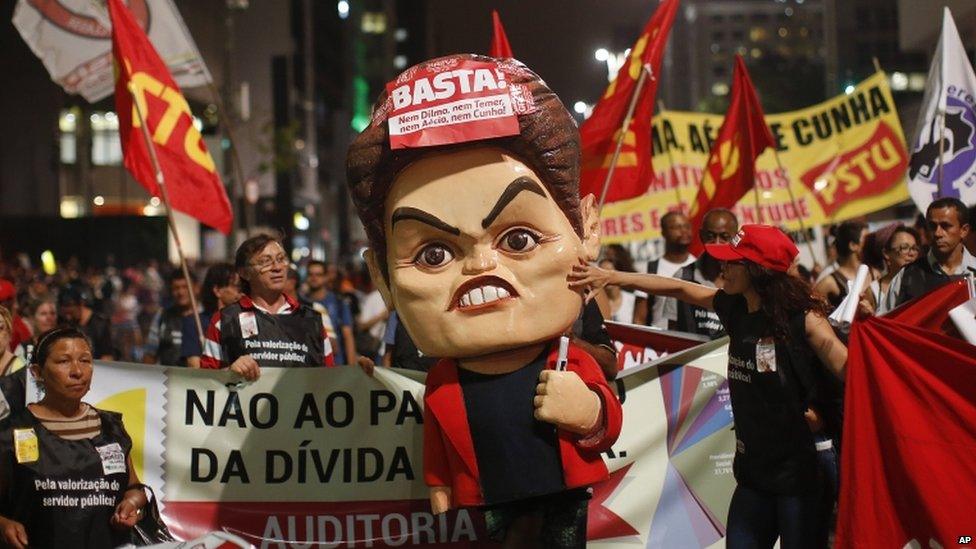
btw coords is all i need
(193, 184)
(908, 463)
(744, 135)
(499, 41)
(600, 132)
(931, 311)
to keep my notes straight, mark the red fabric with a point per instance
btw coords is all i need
(7, 290)
(931, 311)
(908, 463)
(211, 358)
(730, 171)
(600, 132)
(499, 41)
(449, 458)
(191, 178)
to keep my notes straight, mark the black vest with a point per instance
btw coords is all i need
(651, 269)
(282, 341)
(405, 353)
(66, 498)
(919, 278)
(692, 318)
(171, 338)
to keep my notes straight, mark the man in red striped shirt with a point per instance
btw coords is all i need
(266, 328)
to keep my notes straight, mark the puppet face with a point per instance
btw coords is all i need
(478, 254)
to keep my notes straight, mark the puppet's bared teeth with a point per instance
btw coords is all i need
(484, 294)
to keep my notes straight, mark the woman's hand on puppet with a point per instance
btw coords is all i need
(565, 401)
(440, 499)
(589, 278)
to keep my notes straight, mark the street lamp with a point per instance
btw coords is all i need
(602, 54)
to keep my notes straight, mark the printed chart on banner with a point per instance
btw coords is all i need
(695, 498)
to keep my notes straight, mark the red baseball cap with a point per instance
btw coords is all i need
(764, 245)
(7, 290)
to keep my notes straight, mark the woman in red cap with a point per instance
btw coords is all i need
(781, 395)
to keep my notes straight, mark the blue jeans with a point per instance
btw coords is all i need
(757, 518)
(828, 460)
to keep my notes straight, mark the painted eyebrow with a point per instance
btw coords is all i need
(406, 212)
(514, 188)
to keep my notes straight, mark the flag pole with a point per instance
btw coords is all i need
(647, 71)
(755, 194)
(796, 206)
(169, 211)
(941, 113)
(674, 172)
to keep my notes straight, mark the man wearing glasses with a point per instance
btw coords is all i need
(718, 227)
(266, 328)
(947, 225)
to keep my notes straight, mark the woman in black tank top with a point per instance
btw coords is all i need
(779, 341)
(849, 244)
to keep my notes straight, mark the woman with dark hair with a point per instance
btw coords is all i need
(900, 249)
(61, 437)
(620, 257)
(849, 245)
(266, 327)
(221, 287)
(778, 331)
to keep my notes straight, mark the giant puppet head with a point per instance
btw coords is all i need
(467, 181)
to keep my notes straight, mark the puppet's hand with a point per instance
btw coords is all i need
(440, 499)
(565, 401)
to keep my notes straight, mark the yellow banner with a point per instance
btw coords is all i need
(842, 158)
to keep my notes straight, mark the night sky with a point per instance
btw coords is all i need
(555, 38)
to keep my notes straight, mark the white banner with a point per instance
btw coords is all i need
(73, 38)
(329, 456)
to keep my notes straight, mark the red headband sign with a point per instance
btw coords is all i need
(453, 101)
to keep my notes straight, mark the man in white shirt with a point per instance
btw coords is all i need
(676, 230)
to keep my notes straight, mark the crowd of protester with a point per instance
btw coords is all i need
(775, 312)
(143, 312)
(905, 260)
(752, 290)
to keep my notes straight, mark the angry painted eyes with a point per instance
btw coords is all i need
(434, 255)
(515, 241)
